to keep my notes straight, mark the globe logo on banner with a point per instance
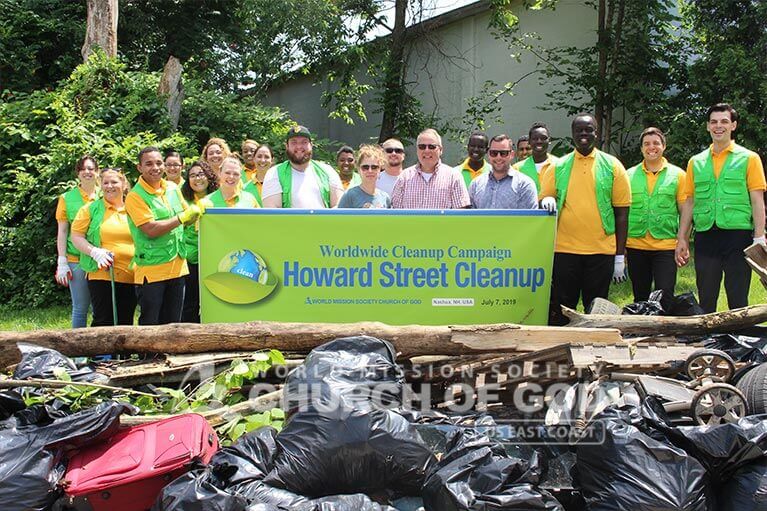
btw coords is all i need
(242, 278)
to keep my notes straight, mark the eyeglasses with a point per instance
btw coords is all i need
(369, 167)
(431, 147)
(497, 152)
(397, 150)
(173, 165)
(198, 176)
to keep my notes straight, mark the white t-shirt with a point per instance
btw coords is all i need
(305, 189)
(539, 166)
(386, 182)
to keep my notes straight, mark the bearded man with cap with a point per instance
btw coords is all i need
(301, 182)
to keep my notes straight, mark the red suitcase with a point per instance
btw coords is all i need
(128, 471)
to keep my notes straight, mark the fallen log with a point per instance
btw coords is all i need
(410, 340)
(716, 322)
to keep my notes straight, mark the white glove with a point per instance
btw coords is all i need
(761, 241)
(63, 273)
(549, 204)
(102, 257)
(619, 270)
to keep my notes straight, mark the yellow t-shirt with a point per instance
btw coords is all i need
(115, 237)
(754, 172)
(140, 213)
(474, 174)
(61, 214)
(648, 242)
(579, 227)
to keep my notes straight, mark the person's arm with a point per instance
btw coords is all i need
(398, 193)
(530, 195)
(682, 251)
(621, 229)
(273, 201)
(335, 196)
(156, 228)
(61, 237)
(757, 210)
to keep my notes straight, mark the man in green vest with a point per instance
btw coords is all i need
(301, 182)
(725, 201)
(657, 196)
(540, 161)
(157, 214)
(475, 165)
(592, 194)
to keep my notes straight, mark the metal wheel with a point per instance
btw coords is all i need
(717, 404)
(714, 364)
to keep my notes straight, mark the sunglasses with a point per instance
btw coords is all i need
(496, 152)
(431, 147)
(369, 167)
(397, 150)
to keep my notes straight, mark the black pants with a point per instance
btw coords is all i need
(191, 312)
(101, 299)
(161, 302)
(720, 251)
(648, 266)
(578, 276)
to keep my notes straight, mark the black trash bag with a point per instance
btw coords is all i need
(645, 308)
(631, 470)
(683, 305)
(355, 502)
(358, 372)
(339, 451)
(39, 362)
(477, 474)
(33, 442)
(10, 403)
(193, 491)
(747, 490)
(742, 348)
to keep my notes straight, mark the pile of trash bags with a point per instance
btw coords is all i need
(664, 304)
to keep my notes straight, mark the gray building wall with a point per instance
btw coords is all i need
(444, 84)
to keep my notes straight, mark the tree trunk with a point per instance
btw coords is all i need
(394, 78)
(101, 28)
(172, 86)
(724, 322)
(616, 31)
(409, 340)
(602, 48)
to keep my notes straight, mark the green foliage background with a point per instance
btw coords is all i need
(105, 110)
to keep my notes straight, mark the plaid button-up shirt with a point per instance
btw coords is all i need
(444, 190)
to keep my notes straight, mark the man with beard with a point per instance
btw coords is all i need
(430, 184)
(475, 165)
(725, 201)
(300, 182)
(535, 166)
(395, 157)
(592, 192)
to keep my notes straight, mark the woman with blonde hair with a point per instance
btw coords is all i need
(214, 153)
(230, 193)
(371, 160)
(101, 233)
(68, 271)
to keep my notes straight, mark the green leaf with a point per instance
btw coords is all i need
(277, 357)
(241, 368)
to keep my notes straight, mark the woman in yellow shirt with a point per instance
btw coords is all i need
(68, 271)
(200, 181)
(100, 231)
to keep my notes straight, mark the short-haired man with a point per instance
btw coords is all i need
(430, 184)
(300, 181)
(395, 157)
(540, 161)
(347, 168)
(592, 193)
(725, 201)
(474, 165)
(157, 214)
(503, 187)
(524, 149)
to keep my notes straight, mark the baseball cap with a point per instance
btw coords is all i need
(298, 131)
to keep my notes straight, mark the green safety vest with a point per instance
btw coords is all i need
(467, 174)
(603, 178)
(656, 211)
(724, 201)
(96, 210)
(245, 200)
(165, 248)
(73, 201)
(250, 187)
(285, 175)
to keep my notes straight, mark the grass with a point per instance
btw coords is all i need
(621, 294)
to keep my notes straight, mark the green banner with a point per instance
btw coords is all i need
(397, 267)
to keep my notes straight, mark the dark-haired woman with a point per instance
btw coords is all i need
(174, 167)
(200, 181)
(264, 158)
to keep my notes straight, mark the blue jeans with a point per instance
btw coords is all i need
(81, 297)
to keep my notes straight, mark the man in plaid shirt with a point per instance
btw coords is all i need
(430, 184)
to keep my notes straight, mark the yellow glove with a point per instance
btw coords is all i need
(189, 215)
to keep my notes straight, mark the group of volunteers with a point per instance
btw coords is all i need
(121, 246)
